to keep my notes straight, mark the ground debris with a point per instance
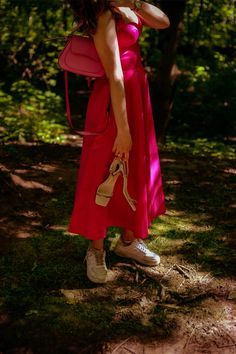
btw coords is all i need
(232, 295)
(177, 285)
(146, 301)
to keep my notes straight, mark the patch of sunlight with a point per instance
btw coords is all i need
(71, 234)
(72, 139)
(170, 197)
(168, 160)
(57, 228)
(113, 240)
(200, 147)
(35, 223)
(18, 181)
(211, 306)
(173, 182)
(45, 167)
(3, 168)
(173, 212)
(167, 223)
(29, 214)
(74, 296)
(162, 244)
(231, 171)
(21, 171)
(23, 233)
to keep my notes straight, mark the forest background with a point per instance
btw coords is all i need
(197, 84)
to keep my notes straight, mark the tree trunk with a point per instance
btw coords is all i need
(168, 71)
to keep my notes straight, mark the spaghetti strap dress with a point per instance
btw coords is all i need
(144, 180)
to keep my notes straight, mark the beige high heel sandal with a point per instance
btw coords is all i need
(105, 190)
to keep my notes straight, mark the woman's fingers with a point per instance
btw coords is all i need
(126, 156)
(120, 153)
(122, 147)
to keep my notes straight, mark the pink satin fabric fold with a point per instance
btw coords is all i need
(144, 181)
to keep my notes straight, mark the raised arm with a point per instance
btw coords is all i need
(106, 43)
(151, 15)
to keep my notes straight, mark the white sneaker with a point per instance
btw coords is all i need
(96, 265)
(138, 251)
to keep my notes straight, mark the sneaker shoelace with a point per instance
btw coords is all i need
(142, 247)
(99, 256)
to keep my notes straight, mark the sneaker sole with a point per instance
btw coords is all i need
(143, 263)
(95, 280)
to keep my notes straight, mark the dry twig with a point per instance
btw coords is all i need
(129, 350)
(182, 271)
(189, 338)
(120, 345)
(168, 271)
(226, 346)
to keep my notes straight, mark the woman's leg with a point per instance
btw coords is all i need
(98, 244)
(127, 236)
(96, 263)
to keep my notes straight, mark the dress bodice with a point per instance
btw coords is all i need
(128, 35)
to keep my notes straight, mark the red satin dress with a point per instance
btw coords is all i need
(144, 181)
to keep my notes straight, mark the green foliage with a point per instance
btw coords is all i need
(210, 24)
(30, 114)
(207, 88)
(205, 58)
(205, 102)
(202, 147)
(25, 49)
(205, 99)
(31, 106)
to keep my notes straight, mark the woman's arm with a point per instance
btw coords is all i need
(106, 43)
(151, 15)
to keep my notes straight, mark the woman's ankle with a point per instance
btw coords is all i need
(97, 245)
(127, 236)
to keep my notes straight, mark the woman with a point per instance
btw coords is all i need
(128, 134)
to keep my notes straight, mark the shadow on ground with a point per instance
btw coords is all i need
(47, 305)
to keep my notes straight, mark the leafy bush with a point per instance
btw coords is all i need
(28, 113)
(205, 102)
(32, 90)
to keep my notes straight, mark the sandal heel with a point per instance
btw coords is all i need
(125, 172)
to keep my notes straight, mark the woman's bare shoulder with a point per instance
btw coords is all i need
(105, 23)
(105, 17)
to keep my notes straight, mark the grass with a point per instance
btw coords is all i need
(41, 264)
(40, 315)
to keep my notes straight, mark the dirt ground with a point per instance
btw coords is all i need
(198, 308)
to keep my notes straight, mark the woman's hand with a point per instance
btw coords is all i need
(122, 144)
(150, 15)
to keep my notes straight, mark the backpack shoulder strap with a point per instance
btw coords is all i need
(80, 132)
